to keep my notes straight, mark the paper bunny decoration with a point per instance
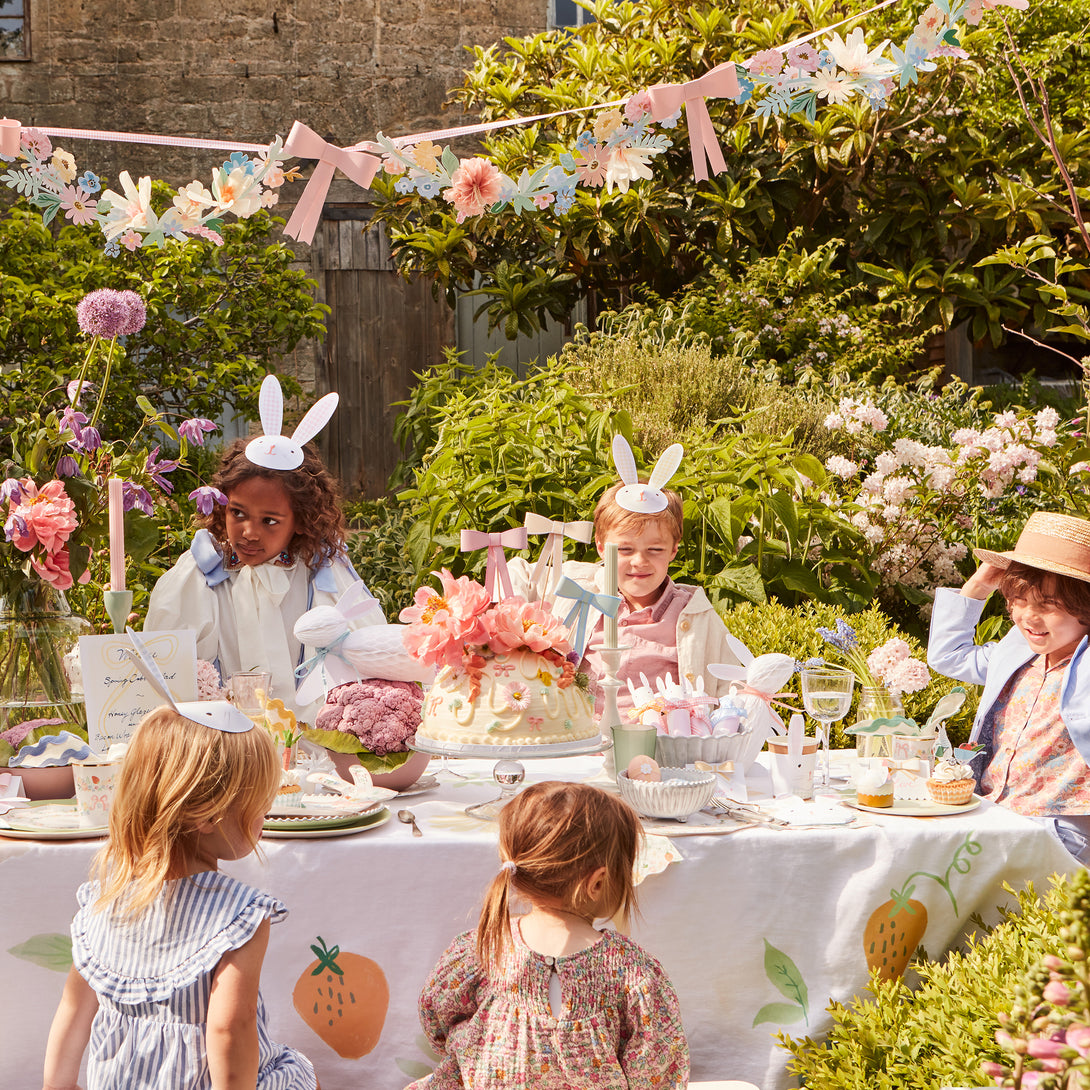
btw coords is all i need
(644, 498)
(273, 450)
(217, 714)
(647, 707)
(344, 654)
(758, 682)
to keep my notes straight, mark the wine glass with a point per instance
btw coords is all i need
(827, 696)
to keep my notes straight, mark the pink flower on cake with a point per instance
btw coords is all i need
(517, 623)
(441, 625)
(476, 185)
(517, 697)
(44, 516)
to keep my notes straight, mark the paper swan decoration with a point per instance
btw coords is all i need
(344, 654)
(647, 498)
(274, 450)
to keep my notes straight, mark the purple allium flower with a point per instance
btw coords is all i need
(11, 491)
(73, 420)
(135, 496)
(107, 313)
(194, 429)
(156, 470)
(67, 466)
(206, 497)
(88, 440)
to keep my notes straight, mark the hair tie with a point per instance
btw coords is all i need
(509, 867)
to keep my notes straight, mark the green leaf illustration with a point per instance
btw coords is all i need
(780, 1013)
(785, 976)
(424, 1045)
(49, 951)
(414, 1068)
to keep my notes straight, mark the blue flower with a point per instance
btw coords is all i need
(843, 638)
(89, 182)
(671, 121)
(745, 89)
(239, 159)
(206, 497)
(405, 184)
(428, 187)
(585, 141)
(111, 249)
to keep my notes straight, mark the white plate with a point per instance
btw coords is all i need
(48, 820)
(918, 807)
(425, 783)
(365, 825)
(325, 806)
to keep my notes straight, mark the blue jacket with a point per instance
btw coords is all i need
(951, 651)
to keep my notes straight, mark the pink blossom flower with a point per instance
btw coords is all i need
(841, 467)
(768, 62)
(208, 682)
(543, 200)
(591, 164)
(475, 185)
(194, 429)
(107, 313)
(515, 623)
(516, 697)
(637, 106)
(78, 206)
(1059, 995)
(36, 143)
(803, 56)
(53, 568)
(1078, 1037)
(909, 676)
(442, 625)
(45, 517)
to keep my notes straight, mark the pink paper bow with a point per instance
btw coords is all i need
(552, 552)
(305, 143)
(496, 560)
(668, 98)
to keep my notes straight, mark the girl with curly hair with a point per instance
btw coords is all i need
(275, 549)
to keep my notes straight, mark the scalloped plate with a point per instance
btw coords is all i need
(918, 807)
(48, 819)
(305, 831)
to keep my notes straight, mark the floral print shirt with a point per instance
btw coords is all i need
(619, 1027)
(1035, 768)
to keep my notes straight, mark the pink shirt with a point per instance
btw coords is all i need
(1035, 769)
(653, 633)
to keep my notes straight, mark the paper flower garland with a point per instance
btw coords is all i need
(618, 150)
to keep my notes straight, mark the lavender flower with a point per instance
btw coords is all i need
(107, 313)
(206, 497)
(194, 429)
(156, 470)
(11, 491)
(843, 638)
(134, 496)
(67, 466)
(76, 390)
(87, 441)
(72, 420)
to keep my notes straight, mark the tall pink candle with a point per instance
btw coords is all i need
(117, 533)
(610, 587)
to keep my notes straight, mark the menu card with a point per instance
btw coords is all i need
(116, 693)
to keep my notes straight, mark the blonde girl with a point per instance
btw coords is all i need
(546, 999)
(166, 950)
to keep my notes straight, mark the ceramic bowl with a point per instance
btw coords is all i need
(681, 792)
(51, 782)
(678, 750)
(398, 780)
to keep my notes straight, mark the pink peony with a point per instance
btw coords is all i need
(43, 516)
(441, 625)
(515, 623)
(53, 568)
(475, 185)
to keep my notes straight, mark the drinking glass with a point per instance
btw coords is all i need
(827, 696)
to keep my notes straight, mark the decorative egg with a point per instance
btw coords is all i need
(644, 768)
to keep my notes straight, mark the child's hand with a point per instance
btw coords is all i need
(983, 581)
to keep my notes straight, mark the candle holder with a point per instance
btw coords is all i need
(118, 607)
(611, 716)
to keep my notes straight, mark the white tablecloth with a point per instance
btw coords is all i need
(758, 929)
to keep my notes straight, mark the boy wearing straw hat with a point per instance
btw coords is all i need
(1034, 714)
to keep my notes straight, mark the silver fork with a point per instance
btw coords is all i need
(744, 812)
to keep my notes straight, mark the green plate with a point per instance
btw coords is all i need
(301, 823)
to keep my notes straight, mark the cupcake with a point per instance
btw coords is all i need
(951, 783)
(873, 786)
(290, 792)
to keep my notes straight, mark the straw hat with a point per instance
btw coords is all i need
(1051, 542)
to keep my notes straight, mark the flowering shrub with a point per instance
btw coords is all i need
(461, 628)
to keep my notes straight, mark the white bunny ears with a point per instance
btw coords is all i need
(217, 714)
(273, 450)
(646, 499)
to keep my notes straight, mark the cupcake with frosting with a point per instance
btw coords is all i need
(951, 783)
(874, 786)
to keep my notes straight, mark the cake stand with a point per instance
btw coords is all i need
(509, 771)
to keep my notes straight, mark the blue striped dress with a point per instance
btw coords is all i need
(153, 977)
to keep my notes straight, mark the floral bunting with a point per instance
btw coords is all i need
(617, 150)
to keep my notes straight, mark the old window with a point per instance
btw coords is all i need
(14, 30)
(567, 13)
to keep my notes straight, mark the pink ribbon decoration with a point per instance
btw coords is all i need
(305, 143)
(496, 562)
(552, 552)
(768, 698)
(668, 98)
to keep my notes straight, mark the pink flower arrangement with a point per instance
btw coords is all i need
(892, 666)
(515, 623)
(475, 186)
(44, 517)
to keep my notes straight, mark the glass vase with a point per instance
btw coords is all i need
(876, 702)
(39, 657)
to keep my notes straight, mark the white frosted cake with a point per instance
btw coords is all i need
(520, 702)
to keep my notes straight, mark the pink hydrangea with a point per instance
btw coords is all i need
(383, 715)
(909, 676)
(442, 625)
(43, 516)
(208, 682)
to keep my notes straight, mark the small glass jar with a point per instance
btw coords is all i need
(876, 702)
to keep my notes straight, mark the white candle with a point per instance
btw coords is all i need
(611, 588)
(116, 493)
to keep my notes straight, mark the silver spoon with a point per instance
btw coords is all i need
(409, 818)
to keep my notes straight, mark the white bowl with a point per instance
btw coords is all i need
(678, 750)
(669, 798)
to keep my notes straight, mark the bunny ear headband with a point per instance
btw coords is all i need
(273, 450)
(646, 499)
(217, 714)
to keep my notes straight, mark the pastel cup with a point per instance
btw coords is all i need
(792, 777)
(250, 692)
(96, 785)
(629, 742)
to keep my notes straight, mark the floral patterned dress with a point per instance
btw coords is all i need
(619, 1027)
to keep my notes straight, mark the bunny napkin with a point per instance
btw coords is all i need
(273, 450)
(344, 654)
